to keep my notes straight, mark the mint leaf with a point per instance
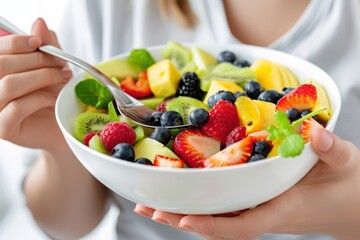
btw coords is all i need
(291, 146)
(114, 117)
(141, 58)
(93, 93)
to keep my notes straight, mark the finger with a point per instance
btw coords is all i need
(10, 64)
(12, 44)
(333, 150)
(17, 85)
(172, 219)
(144, 211)
(248, 225)
(16, 111)
(40, 29)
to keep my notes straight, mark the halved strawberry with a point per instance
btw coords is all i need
(301, 98)
(139, 88)
(307, 127)
(234, 154)
(164, 161)
(223, 118)
(194, 146)
(237, 153)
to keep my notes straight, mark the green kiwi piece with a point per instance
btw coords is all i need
(184, 105)
(87, 122)
(227, 72)
(177, 53)
(96, 144)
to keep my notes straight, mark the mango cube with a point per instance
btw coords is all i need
(163, 78)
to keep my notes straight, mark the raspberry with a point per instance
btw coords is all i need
(88, 137)
(117, 132)
(223, 118)
(236, 135)
(189, 86)
(162, 106)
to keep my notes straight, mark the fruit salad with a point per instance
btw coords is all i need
(240, 111)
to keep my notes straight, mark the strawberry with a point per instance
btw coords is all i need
(236, 153)
(301, 98)
(194, 146)
(306, 128)
(223, 118)
(164, 161)
(137, 89)
(236, 135)
(117, 132)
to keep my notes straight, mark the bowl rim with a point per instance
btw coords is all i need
(330, 125)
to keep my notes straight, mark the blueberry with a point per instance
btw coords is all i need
(239, 94)
(293, 114)
(171, 118)
(286, 90)
(225, 95)
(272, 96)
(256, 157)
(211, 100)
(161, 135)
(241, 63)
(199, 117)
(262, 147)
(226, 56)
(124, 151)
(252, 89)
(144, 161)
(155, 118)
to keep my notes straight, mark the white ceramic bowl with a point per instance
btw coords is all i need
(200, 191)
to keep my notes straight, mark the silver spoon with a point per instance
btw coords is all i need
(128, 106)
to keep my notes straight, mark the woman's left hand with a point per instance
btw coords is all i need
(325, 201)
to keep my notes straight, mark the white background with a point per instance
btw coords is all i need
(16, 223)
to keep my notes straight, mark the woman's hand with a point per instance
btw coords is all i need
(325, 201)
(29, 84)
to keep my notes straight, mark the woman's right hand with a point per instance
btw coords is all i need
(29, 84)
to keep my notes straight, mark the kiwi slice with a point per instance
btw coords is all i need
(177, 53)
(96, 144)
(87, 122)
(184, 105)
(226, 72)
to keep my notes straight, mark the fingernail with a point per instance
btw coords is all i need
(34, 42)
(185, 227)
(66, 73)
(160, 220)
(326, 141)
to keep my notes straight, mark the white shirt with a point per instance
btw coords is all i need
(326, 34)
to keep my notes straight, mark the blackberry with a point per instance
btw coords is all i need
(189, 86)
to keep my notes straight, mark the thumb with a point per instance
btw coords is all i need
(333, 150)
(40, 28)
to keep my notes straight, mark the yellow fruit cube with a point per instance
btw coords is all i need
(268, 75)
(163, 78)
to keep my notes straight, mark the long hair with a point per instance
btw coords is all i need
(180, 10)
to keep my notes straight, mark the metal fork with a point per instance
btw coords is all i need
(128, 106)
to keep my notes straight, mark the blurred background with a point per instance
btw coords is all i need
(15, 219)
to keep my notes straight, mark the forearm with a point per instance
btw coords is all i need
(65, 200)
